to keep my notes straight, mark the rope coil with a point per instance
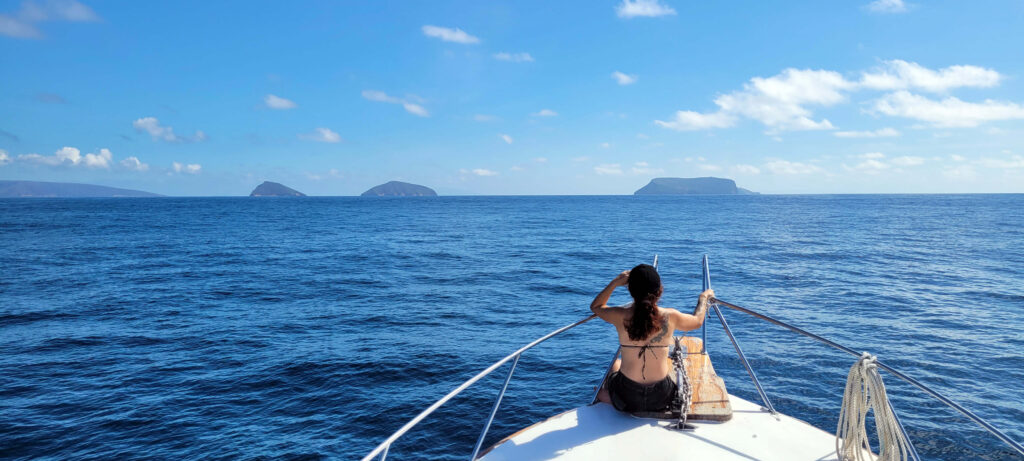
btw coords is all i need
(866, 391)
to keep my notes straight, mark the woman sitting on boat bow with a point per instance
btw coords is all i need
(642, 380)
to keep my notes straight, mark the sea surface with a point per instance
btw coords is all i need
(239, 328)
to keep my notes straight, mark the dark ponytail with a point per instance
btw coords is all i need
(645, 287)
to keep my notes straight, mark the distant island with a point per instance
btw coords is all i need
(399, 189)
(65, 189)
(692, 186)
(273, 189)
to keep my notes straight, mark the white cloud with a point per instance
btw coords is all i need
(902, 75)
(541, 160)
(133, 163)
(1012, 163)
(484, 118)
(70, 156)
(870, 166)
(957, 158)
(479, 172)
(449, 35)
(887, 6)
(606, 145)
(161, 132)
(191, 168)
(643, 8)
(513, 57)
(517, 168)
(785, 167)
(880, 133)
(960, 172)
(623, 79)
(644, 168)
(279, 103)
(409, 103)
(415, 109)
(545, 113)
(580, 159)
(22, 23)
(322, 134)
(907, 161)
(504, 137)
(13, 27)
(949, 112)
(4, 158)
(708, 167)
(608, 169)
(747, 169)
(779, 102)
(871, 155)
(687, 120)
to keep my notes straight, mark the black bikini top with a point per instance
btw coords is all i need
(642, 356)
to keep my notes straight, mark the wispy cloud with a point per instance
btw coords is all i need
(22, 23)
(278, 103)
(623, 79)
(880, 133)
(504, 137)
(746, 169)
(902, 75)
(785, 101)
(643, 8)
(449, 35)
(134, 164)
(948, 112)
(70, 156)
(4, 158)
(645, 169)
(887, 6)
(545, 113)
(907, 161)
(608, 169)
(191, 168)
(785, 167)
(479, 172)
(409, 103)
(161, 132)
(513, 57)
(484, 118)
(321, 134)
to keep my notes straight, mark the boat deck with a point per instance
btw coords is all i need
(599, 432)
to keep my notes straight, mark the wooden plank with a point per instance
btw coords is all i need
(710, 400)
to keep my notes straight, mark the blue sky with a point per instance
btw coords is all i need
(514, 97)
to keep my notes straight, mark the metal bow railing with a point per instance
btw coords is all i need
(382, 449)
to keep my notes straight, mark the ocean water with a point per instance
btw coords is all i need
(238, 328)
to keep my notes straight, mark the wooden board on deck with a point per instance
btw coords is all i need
(710, 400)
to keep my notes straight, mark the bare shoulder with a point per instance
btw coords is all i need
(672, 315)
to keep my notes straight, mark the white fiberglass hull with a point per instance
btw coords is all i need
(599, 432)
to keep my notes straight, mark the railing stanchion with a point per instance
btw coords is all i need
(706, 282)
(739, 351)
(494, 411)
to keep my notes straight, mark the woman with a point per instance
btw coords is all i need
(641, 380)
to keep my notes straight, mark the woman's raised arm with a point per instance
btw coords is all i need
(600, 304)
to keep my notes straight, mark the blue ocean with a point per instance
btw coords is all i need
(238, 328)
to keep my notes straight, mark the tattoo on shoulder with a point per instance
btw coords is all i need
(664, 330)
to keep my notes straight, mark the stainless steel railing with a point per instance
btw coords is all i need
(382, 449)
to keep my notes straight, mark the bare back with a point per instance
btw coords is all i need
(647, 361)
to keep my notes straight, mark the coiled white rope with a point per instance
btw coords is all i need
(864, 392)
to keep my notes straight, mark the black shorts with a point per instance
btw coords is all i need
(631, 396)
